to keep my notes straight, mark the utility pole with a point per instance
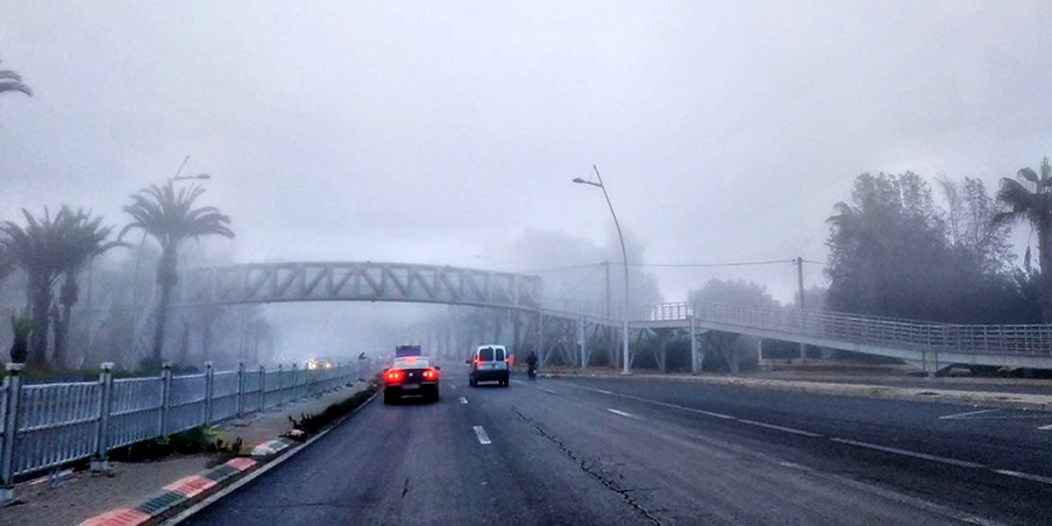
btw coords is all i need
(800, 285)
(606, 268)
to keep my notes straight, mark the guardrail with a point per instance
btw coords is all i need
(1022, 340)
(48, 425)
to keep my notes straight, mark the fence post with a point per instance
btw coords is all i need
(262, 387)
(281, 389)
(101, 462)
(166, 396)
(295, 388)
(13, 388)
(240, 389)
(209, 389)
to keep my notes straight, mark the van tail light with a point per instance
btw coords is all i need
(394, 377)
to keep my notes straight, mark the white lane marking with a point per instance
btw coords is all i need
(481, 435)
(908, 453)
(518, 381)
(549, 391)
(451, 386)
(781, 428)
(1046, 428)
(604, 391)
(622, 413)
(463, 400)
(969, 413)
(1027, 476)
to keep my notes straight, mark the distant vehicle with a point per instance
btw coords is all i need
(489, 364)
(411, 375)
(319, 363)
(407, 350)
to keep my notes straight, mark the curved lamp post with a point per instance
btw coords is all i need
(624, 255)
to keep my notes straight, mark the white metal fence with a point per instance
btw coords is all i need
(47, 425)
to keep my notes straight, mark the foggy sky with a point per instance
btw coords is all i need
(440, 132)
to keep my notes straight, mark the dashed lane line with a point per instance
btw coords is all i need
(969, 413)
(905, 452)
(549, 391)
(622, 413)
(794, 431)
(482, 436)
(1027, 476)
(908, 453)
(463, 400)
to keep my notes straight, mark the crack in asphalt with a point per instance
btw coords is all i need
(405, 488)
(590, 469)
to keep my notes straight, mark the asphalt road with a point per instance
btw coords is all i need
(615, 451)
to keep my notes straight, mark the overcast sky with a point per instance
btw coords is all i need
(441, 132)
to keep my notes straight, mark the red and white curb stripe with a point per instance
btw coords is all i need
(172, 495)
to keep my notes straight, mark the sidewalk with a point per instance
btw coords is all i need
(83, 495)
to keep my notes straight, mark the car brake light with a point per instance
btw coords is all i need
(430, 374)
(394, 377)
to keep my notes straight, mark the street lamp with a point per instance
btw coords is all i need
(624, 256)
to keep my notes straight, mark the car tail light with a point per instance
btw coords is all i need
(430, 374)
(394, 377)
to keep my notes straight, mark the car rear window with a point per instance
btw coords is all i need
(486, 354)
(411, 363)
(499, 355)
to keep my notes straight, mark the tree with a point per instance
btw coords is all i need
(46, 248)
(888, 250)
(11, 81)
(733, 292)
(1029, 198)
(84, 240)
(971, 228)
(170, 218)
(728, 348)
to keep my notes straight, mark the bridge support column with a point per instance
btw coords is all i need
(695, 363)
(582, 343)
(540, 337)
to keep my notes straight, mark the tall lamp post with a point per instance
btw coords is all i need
(624, 255)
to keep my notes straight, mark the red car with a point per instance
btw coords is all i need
(411, 376)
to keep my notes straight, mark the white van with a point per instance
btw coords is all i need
(489, 364)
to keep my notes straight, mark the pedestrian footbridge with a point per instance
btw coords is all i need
(931, 346)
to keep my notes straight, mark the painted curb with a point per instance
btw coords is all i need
(914, 394)
(173, 495)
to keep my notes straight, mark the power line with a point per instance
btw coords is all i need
(711, 265)
(555, 269)
(682, 265)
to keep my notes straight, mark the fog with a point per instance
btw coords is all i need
(449, 132)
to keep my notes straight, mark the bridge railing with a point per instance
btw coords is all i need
(45, 426)
(1034, 340)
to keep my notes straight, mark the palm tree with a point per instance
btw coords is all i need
(170, 217)
(1029, 198)
(11, 81)
(46, 248)
(85, 240)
